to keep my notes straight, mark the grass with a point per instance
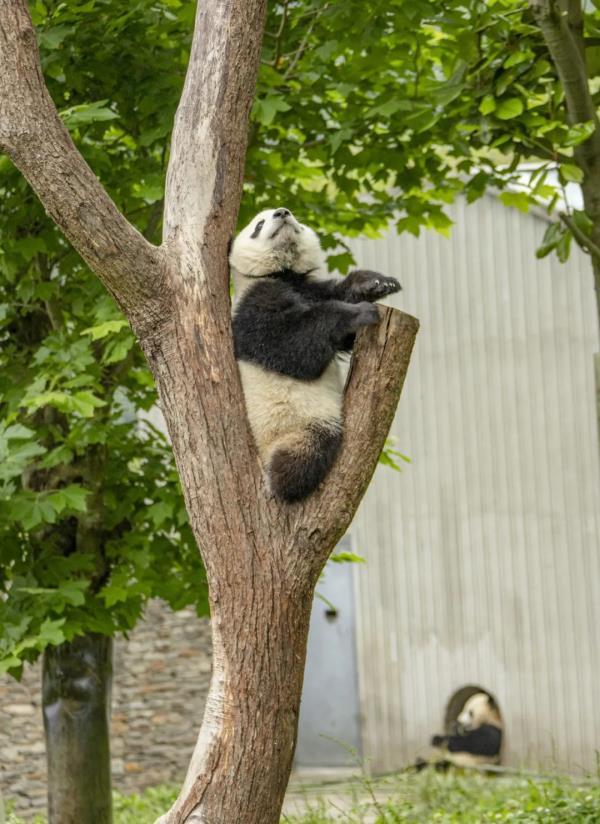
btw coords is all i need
(455, 798)
(412, 799)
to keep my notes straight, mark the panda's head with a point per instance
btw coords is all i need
(478, 710)
(274, 240)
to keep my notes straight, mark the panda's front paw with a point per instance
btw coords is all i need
(363, 314)
(367, 285)
(438, 741)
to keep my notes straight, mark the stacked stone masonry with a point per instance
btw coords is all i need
(161, 676)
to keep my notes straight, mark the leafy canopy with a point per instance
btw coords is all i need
(92, 522)
(366, 113)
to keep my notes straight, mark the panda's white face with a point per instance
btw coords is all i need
(275, 240)
(477, 710)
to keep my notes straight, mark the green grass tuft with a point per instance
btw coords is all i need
(426, 798)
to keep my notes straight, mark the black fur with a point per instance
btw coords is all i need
(294, 474)
(485, 740)
(295, 326)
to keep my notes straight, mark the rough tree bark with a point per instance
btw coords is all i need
(262, 557)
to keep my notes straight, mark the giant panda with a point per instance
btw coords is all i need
(290, 323)
(477, 737)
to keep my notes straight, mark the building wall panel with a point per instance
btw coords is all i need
(483, 562)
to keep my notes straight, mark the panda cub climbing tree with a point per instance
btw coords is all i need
(290, 324)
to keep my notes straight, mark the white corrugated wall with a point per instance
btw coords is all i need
(483, 556)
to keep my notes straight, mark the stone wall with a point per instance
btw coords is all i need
(160, 683)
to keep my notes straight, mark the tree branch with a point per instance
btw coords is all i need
(562, 32)
(208, 149)
(36, 140)
(586, 243)
(379, 365)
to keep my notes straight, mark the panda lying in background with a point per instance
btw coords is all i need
(289, 325)
(477, 737)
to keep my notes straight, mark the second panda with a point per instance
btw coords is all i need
(477, 738)
(290, 323)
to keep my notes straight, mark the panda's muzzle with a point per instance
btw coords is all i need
(284, 223)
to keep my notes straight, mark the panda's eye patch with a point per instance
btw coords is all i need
(257, 229)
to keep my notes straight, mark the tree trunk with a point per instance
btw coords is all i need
(563, 31)
(76, 687)
(242, 761)
(262, 560)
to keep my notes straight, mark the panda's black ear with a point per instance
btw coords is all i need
(491, 702)
(229, 245)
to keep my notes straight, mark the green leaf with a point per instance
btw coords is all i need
(72, 497)
(570, 173)
(440, 222)
(347, 557)
(86, 113)
(150, 192)
(578, 133)
(563, 247)
(109, 327)
(52, 38)
(509, 108)
(519, 200)
(518, 57)
(51, 632)
(266, 108)
(552, 237)
(85, 403)
(488, 104)
(582, 221)
(18, 432)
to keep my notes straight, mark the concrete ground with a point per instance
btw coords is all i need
(336, 792)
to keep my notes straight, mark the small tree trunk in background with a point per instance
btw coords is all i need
(76, 688)
(562, 28)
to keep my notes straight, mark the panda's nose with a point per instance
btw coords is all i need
(281, 213)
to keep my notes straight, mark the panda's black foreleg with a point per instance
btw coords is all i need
(484, 740)
(313, 336)
(365, 285)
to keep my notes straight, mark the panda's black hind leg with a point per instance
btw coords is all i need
(297, 468)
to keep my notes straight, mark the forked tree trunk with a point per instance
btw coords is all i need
(76, 687)
(262, 557)
(263, 566)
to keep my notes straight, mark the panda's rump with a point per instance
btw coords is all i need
(281, 408)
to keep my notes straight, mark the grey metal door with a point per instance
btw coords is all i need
(329, 724)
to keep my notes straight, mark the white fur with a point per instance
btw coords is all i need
(288, 246)
(281, 408)
(467, 759)
(478, 711)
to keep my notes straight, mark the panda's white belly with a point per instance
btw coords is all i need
(279, 406)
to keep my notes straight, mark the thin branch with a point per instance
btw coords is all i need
(562, 33)
(36, 140)
(582, 239)
(299, 53)
(278, 39)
